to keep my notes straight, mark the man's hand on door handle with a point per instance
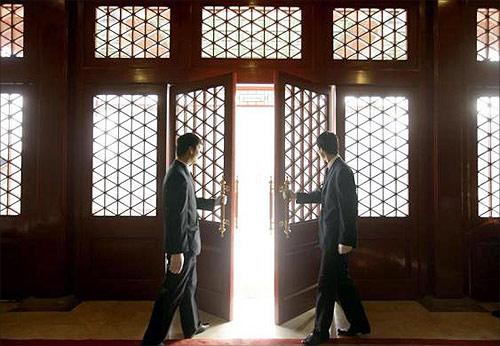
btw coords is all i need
(289, 194)
(221, 200)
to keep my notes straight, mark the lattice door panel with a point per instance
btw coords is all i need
(11, 140)
(124, 155)
(370, 34)
(203, 112)
(377, 149)
(488, 156)
(132, 32)
(306, 117)
(251, 32)
(11, 30)
(488, 34)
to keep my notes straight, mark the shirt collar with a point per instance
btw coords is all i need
(332, 161)
(182, 164)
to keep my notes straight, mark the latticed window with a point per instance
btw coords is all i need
(132, 32)
(488, 34)
(305, 119)
(251, 32)
(124, 155)
(376, 148)
(11, 30)
(11, 135)
(370, 34)
(488, 156)
(203, 112)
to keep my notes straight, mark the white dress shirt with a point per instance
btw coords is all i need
(332, 161)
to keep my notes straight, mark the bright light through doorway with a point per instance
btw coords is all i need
(254, 240)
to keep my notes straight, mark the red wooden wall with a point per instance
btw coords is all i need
(456, 253)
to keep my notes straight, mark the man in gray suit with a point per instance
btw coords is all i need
(337, 237)
(182, 246)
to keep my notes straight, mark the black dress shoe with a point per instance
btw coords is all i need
(354, 331)
(201, 328)
(315, 339)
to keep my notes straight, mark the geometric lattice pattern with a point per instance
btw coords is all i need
(376, 148)
(251, 32)
(488, 156)
(306, 118)
(488, 34)
(11, 135)
(132, 32)
(11, 30)
(124, 155)
(203, 112)
(370, 34)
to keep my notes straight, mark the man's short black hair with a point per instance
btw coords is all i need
(328, 142)
(187, 141)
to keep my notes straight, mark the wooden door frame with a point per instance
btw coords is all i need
(410, 286)
(482, 235)
(126, 228)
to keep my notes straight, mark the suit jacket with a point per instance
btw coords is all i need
(182, 231)
(339, 207)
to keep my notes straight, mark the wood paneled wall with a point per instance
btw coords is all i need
(35, 247)
(455, 250)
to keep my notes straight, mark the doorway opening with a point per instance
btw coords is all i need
(253, 297)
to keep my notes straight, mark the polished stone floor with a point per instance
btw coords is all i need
(127, 320)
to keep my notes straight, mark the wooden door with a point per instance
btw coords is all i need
(483, 235)
(121, 166)
(378, 140)
(207, 108)
(302, 114)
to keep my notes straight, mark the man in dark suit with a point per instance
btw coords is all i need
(337, 237)
(182, 246)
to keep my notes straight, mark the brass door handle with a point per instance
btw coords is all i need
(285, 223)
(224, 190)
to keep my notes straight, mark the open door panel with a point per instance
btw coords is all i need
(207, 108)
(302, 114)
